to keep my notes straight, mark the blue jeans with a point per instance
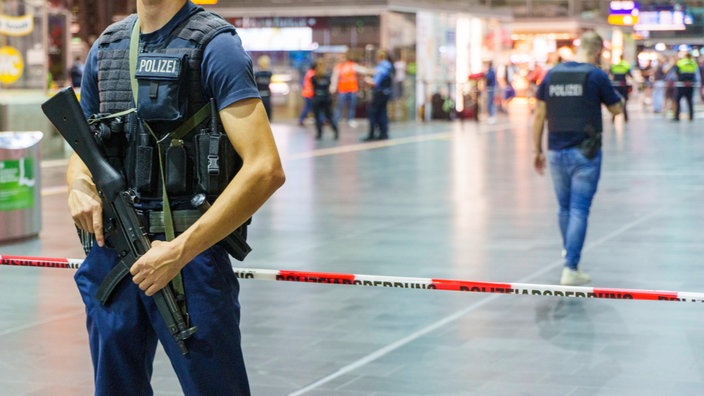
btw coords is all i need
(575, 180)
(490, 104)
(307, 108)
(658, 95)
(349, 98)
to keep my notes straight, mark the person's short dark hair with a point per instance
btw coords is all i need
(591, 42)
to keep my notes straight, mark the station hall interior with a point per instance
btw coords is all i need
(451, 194)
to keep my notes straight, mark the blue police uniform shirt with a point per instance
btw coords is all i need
(598, 90)
(383, 75)
(226, 75)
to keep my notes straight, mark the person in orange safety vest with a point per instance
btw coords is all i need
(346, 85)
(307, 93)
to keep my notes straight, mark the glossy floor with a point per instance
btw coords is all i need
(441, 199)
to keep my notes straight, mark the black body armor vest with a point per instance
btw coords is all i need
(170, 92)
(568, 107)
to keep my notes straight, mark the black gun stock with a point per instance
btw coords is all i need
(122, 229)
(64, 112)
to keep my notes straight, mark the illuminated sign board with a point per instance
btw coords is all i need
(276, 39)
(623, 13)
(663, 18)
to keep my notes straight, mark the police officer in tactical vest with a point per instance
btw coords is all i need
(199, 128)
(619, 74)
(570, 99)
(686, 70)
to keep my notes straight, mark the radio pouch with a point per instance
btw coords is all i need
(176, 168)
(144, 173)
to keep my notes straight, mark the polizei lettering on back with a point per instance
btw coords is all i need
(565, 90)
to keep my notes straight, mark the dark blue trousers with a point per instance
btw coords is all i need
(379, 115)
(688, 94)
(123, 334)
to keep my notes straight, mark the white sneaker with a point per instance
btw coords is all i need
(353, 124)
(571, 277)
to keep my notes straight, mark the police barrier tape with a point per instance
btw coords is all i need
(675, 84)
(409, 283)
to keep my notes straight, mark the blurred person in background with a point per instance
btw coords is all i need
(307, 93)
(322, 99)
(76, 72)
(670, 85)
(263, 78)
(620, 75)
(399, 78)
(687, 70)
(569, 99)
(534, 77)
(659, 84)
(700, 64)
(382, 85)
(346, 85)
(490, 86)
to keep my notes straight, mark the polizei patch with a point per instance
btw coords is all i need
(565, 90)
(152, 66)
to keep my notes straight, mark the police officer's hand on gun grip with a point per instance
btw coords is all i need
(158, 266)
(86, 207)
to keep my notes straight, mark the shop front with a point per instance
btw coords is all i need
(431, 45)
(33, 39)
(539, 44)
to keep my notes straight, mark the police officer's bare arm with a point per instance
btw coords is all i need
(538, 128)
(616, 108)
(247, 127)
(84, 203)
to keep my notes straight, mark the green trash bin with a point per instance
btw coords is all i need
(20, 199)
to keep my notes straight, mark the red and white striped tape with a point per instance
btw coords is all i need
(48, 262)
(410, 283)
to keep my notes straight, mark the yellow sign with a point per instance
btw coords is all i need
(11, 65)
(623, 19)
(205, 1)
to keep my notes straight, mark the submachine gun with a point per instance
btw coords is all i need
(122, 229)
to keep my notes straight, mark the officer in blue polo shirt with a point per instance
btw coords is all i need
(570, 99)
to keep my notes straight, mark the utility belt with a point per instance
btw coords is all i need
(153, 223)
(153, 220)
